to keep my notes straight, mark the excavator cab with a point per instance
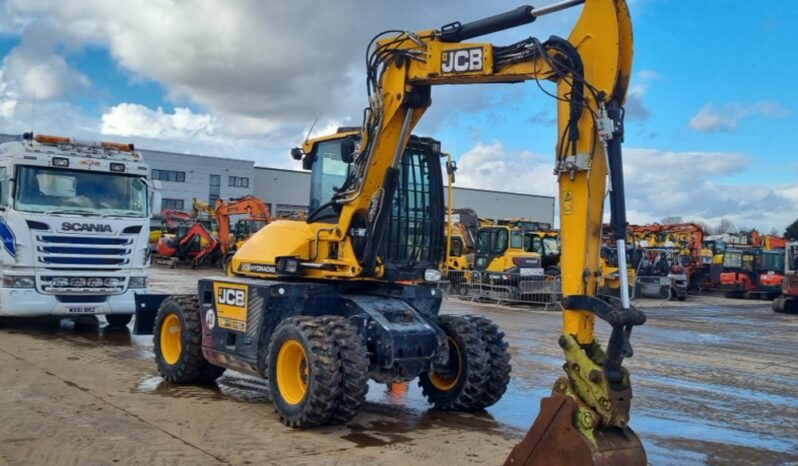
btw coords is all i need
(414, 235)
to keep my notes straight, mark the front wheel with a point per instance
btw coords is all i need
(304, 367)
(460, 384)
(118, 320)
(177, 339)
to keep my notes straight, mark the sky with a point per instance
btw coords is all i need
(711, 110)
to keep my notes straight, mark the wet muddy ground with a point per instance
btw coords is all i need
(715, 382)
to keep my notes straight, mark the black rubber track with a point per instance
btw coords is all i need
(354, 368)
(499, 366)
(192, 366)
(324, 363)
(467, 394)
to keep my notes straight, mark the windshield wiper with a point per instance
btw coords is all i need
(129, 214)
(71, 211)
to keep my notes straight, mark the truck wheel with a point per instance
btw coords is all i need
(460, 385)
(499, 360)
(304, 370)
(778, 304)
(177, 339)
(118, 320)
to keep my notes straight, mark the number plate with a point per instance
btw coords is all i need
(531, 272)
(82, 310)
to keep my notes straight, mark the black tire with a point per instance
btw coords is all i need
(323, 383)
(469, 358)
(190, 365)
(354, 368)
(118, 320)
(499, 366)
(779, 304)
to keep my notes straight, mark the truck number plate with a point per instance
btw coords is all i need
(532, 272)
(82, 310)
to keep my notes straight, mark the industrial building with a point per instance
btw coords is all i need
(186, 176)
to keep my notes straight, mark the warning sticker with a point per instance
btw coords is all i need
(568, 203)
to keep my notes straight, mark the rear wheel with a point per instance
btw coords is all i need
(460, 384)
(118, 320)
(498, 360)
(304, 369)
(178, 342)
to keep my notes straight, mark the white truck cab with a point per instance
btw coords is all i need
(74, 222)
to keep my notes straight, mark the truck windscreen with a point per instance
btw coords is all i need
(59, 190)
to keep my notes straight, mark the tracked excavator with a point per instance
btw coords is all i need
(319, 306)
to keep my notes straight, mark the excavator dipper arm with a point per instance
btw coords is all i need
(585, 421)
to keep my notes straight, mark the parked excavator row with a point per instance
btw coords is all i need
(205, 237)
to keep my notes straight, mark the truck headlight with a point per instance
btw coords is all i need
(95, 282)
(137, 282)
(61, 281)
(432, 275)
(77, 282)
(111, 282)
(10, 281)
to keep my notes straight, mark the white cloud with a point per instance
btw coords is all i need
(659, 183)
(711, 118)
(491, 166)
(635, 107)
(137, 120)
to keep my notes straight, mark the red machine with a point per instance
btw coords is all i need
(257, 213)
(788, 301)
(196, 245)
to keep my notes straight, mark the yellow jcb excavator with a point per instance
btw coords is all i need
(319, 306)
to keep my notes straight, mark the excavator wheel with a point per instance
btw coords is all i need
(461, 384)
(304, 367)
(354, 368)
(498, 360)
(177, 340)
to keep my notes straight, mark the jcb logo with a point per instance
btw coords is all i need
(460, 60)
(231, 297)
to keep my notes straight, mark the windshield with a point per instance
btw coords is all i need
(329, 172)
(492, 241)
(772, 261)
(733, 259)
(58, 190)
(551, 245)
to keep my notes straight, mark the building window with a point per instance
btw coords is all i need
(238, 181)
(214, 188)
(172, 204)
(169, 175)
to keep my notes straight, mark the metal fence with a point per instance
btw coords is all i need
(509, 288)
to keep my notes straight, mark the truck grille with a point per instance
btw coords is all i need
(83, 252)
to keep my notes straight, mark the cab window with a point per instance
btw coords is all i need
(456, 247)
(516, 240)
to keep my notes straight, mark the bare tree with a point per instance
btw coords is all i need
(671, 219)
(725, 226)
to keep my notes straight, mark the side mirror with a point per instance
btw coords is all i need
(451, 167)
(296, 153)
(308, 161)
(348, 150)
(155, 197)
